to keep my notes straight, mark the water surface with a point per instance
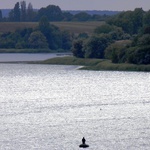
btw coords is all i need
(11, 57)
(50, 107)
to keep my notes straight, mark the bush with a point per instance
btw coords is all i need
(78, 48)
(95, 46)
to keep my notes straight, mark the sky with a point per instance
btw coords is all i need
(117, 5)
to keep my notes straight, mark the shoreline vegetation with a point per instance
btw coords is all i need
(85, 63)
(108, 44)
(93, 64)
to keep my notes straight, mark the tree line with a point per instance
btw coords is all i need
(125, 38)
(23, 12)
(44, 36)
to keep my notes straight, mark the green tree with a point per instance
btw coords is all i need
(67, 16)
(116, 32)
(139, 52)
(52, 12)
(17, 39)
(106, 28)
(96, 45)
(82, 16)
(66, 40)
(51, 32)
(129, 21)
(17, 12)
(124, 21)
(146, 30)
(116, 51)
(1, 17)
(77, 48)
(138, 55)
(21, 45)
(37, 40)
(97, 17)
(137, 19)
(83, 35)
(44, 25)
(9, 40)
(23, 10)
(30, 13)
(11, 15)
(147, 18)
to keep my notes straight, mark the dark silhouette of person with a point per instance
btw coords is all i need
(83, 145)
(83, 140)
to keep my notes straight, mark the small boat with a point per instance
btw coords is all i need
(83, 145)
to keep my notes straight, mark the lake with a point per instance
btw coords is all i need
(12, 57)
(50, 107)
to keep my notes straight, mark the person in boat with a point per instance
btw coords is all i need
(83, 145)
(83, 140)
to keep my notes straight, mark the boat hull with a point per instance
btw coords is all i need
(83, 145)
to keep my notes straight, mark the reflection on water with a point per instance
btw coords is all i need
(46, 107)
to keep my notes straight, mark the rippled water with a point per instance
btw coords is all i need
(45, 107)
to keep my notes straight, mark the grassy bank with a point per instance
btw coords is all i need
(96, 64)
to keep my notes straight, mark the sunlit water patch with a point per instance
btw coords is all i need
(49, 107)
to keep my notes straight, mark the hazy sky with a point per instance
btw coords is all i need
(84, 4)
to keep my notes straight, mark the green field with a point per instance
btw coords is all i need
(73, 27)
(78, 27)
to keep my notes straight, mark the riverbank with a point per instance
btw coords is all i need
(67, 59)
(95, 64)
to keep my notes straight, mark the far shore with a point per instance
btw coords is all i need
(68, 59)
